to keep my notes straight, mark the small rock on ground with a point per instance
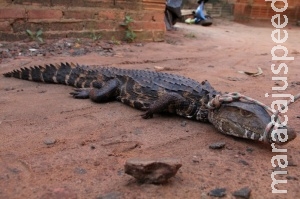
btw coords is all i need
(291, 178)
(60, 193)
(152, 171)
(80, 170)
(242, 193)
(291, 161)
(9, 89)
(111, 195)
(244, 162)
(217, 145)
(250, 150)
(218, 192)
(49, 141)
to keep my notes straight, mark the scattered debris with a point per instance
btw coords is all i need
(32, 49)
(107, 47)
(61, 192)
(139, 44)
(295, 83)
(250, 150)
(79, 52)
(259, 72)
(291, 178)
(80, 171)
(68, 44)
(242, 193)
(244, 162)
(161, 68)
(152, 171)
(235, 79)
(195, 159)
(137, 131)
(277, 168)
(110, 195)
(183, 123)
(218, 192)
(77, 45)
(49, 141)
(217, 145)
(9, 89)
(276, 84)
(65, 47)
(42, 91)
(291, 162)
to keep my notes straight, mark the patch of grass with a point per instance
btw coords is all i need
(130, 36)
(37, 36)
(95, 37)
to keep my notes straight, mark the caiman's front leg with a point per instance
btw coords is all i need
(104, 94)
(169, 102)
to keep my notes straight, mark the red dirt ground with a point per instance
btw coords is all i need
(93, 141)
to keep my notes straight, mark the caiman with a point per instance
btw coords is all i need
(157, 92)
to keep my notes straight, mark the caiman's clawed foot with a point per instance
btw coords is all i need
(147, 115)
(80, 93)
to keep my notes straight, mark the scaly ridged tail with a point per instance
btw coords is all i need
(64, 73)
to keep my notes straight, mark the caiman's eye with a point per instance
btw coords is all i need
(245, 113)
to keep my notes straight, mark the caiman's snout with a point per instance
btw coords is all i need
(280, 136)
(249, 120)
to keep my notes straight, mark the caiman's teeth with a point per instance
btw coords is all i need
(252, 136)
(246, 133)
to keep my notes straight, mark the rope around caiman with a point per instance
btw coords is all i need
(235, 96)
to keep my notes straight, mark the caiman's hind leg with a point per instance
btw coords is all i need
(108, 92)
(169, 102)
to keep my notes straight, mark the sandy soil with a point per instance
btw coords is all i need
(93, 141)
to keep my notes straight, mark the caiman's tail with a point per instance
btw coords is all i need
(64, 73)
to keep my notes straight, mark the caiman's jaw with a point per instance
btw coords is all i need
(247, 120)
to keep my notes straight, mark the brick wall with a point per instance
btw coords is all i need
(81, 18)
(261, 10)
